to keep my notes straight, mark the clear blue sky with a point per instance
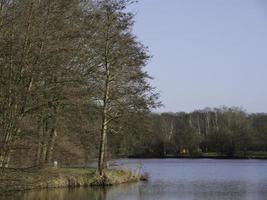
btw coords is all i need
(206, 53)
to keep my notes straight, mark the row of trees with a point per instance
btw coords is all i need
(71, 72)
(226, 131)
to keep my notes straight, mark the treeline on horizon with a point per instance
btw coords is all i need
(229, 132)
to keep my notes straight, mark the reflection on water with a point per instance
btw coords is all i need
(61, 194)
(176, 179)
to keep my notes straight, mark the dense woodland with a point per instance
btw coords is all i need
(73, 88)
(224, 131)
(71, 75)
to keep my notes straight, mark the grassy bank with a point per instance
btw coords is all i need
(28, 179)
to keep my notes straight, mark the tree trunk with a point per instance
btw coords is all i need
(216, 121)
(43, 141)
(43, 154)
(39, 147)
(5, 154)
(50, 147)
(103, 136)
(102, 149)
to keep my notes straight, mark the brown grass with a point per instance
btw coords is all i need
(19, 180)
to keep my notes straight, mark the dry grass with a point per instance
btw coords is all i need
(18, 180)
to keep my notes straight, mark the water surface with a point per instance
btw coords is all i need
(171, 179)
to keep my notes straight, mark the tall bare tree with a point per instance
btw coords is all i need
(121, 84)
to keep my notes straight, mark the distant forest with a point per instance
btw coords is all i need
(229, 132)
(73, 88)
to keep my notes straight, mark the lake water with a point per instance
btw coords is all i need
(175, 179)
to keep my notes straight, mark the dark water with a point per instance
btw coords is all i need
(183, 179)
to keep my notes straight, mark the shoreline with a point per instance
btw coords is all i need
(200, 157)
(69, 177)
(30, 179)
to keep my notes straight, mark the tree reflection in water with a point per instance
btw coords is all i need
(61, 194)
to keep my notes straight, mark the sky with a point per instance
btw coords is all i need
(206, 53)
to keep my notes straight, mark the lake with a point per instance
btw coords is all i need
(175, 179)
